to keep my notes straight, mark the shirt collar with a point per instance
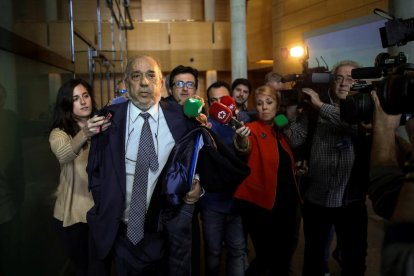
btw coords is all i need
(134, 111)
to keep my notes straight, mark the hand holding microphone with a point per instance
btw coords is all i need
(230, 103)
(223, 114)
(243, 131)
(241, 140)
(192, 109)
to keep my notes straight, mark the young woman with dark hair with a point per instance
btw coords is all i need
(72, 127)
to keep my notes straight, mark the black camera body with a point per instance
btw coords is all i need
(316, 78)
(396, 88)
(397, 32)
(395, 92)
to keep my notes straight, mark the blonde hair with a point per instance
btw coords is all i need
(267, 91)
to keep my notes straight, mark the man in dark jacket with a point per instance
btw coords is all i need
(114, 156)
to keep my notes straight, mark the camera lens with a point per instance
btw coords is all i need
(397, 94)
(356, 108)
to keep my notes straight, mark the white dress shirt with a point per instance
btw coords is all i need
(163, 142)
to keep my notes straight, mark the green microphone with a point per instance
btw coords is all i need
(192, 107)
(280, 120)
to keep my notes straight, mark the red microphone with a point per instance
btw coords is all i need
(230, 103)
(220, 113)
(223, 114)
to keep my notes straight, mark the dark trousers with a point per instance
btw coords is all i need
(196, 243)
(350, 224)
(274, 236)
(157, 254)
(75, 240)
(10, 244)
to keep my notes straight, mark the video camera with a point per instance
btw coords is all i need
(396, 31)
(317, 78)
(395, 90)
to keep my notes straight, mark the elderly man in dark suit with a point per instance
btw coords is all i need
(125, 162)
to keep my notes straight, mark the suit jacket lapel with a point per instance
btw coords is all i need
(117, 144)
(174, 124)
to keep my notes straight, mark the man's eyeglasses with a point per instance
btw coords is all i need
(340, 79)
(188, 84)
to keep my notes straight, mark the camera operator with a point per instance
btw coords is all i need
(335, 189)
(392, 191)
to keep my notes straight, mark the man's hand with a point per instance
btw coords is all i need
(383, 122)
(383, 151)
(314, 97)
(195, 192)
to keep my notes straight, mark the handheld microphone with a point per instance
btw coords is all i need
(230, 103)
(280, 121)
(192, 107)
(223, 114)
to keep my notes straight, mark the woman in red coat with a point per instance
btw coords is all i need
(269, 196)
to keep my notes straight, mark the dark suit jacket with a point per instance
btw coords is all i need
(107, 180)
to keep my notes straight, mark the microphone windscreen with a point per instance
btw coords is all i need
(366, 73)
(220, 113)
(192, 107)
(324, 77)
(230, 103)
(280, 120)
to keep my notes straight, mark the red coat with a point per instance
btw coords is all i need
(260, 186)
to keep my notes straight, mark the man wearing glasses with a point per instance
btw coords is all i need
(335, 189)
(183, 83)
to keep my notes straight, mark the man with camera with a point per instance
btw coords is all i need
(335, 188)
(392, 189)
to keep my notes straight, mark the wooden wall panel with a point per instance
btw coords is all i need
(293, 6)
(88, 29)
(107, 36)
(163, 57)
(222, 35)
(194, 35)
(259, 31)
(300, 18)
(59, 38)
(221, 60)
(81, 63)
(199, 59)
(35, 32)
(172, 10)
(222, 12)
(292, 18)
(151, 36)
(202, 59)
(86, 10)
